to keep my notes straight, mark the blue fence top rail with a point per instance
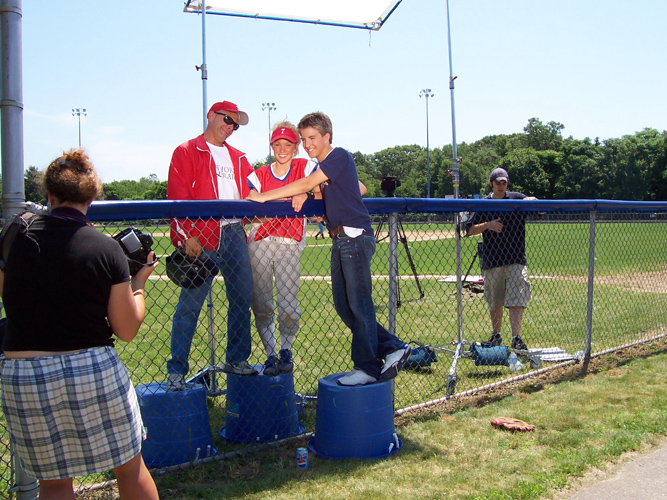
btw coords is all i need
(159, 209)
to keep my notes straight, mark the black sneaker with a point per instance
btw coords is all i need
(285, 363)
(495, 340)
(519, 344)
(270, 366)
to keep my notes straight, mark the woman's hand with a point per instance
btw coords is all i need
(298, 200)
(255, 196)
(139, 279)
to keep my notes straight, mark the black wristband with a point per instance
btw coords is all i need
(311, 195)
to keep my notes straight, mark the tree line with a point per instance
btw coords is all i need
(540, 162)
(146, 188)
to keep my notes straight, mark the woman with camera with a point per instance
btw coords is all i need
(68, 400)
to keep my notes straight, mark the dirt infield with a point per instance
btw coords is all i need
(650, 281)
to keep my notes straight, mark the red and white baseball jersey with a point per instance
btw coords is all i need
(263, 179)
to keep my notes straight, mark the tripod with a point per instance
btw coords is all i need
(465, 283)
(404, 240)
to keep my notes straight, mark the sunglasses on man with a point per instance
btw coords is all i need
(228, 119)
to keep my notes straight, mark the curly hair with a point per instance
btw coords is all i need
(72, 178)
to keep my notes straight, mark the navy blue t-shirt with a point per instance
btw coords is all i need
(508, 246)
(343, 205)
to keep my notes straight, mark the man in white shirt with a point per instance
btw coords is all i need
(208, 168)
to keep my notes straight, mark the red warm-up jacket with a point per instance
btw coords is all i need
(192, 176)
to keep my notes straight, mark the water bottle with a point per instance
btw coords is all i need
(515, 364)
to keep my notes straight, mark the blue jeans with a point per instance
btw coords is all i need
(353, 299)
(234, 264)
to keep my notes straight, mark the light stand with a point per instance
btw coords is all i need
(427, 93)
(271, 106)
(397, 233)
(203, 68)
(451, 380)
(78, 112)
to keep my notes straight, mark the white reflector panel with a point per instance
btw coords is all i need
(365, 14)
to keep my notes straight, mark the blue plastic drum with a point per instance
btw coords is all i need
(261, 409)
(354, 422)
(177, 424)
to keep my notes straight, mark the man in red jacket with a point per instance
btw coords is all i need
(208, 168)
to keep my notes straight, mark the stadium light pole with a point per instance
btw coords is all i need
(427, 93)
(271, 106)
(78, 112)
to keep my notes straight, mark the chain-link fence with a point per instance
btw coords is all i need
(595, 281)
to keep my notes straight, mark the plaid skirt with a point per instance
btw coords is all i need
(71, 415)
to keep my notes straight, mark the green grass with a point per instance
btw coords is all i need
(558, 265)
(561, 248)
(555, 317)
(452, 451)
(557, 248)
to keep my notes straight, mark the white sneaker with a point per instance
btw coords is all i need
(356, 377)
(175, 382)
(394, 362)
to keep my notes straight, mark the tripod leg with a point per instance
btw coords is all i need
(469, 268)
(398, 291)
(211, 325)
(404, 240)
(451, 380)
(379, 228)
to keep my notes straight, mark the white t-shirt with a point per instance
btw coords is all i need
(227, 189)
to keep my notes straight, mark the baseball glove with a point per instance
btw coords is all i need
(512, 424)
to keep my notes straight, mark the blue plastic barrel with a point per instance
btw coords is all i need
(261, 409)
(354, 422)
(177, 424)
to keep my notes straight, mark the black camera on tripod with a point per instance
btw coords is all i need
(136, 245)
(389, 185)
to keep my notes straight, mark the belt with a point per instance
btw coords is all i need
(335, 232)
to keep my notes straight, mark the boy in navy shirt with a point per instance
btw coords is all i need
(353, 247)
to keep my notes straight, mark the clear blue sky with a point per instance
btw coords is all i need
(596, 66)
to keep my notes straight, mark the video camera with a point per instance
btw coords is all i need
(389, 185)
(136, 246)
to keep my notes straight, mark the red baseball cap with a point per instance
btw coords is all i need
(284, 133)
(230, 106)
